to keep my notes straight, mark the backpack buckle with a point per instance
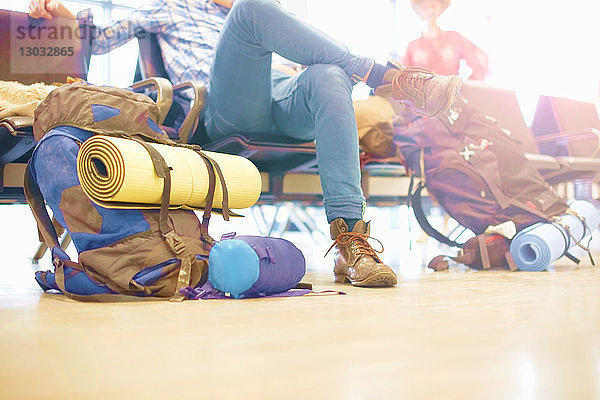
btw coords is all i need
(175, 242)
(453, 115)
(467, 153)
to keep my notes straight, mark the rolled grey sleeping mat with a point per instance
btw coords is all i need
(536, 247)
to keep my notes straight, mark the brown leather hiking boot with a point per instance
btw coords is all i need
(420, 89)
(356, 261)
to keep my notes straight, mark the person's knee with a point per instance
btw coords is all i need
(328, 81)
(251, 8)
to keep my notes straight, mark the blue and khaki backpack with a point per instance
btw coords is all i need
(140, 252)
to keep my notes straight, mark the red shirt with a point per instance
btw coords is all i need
(443, 53)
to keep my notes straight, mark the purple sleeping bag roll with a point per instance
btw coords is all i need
(254, 266)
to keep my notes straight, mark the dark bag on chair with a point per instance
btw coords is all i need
(475, 171)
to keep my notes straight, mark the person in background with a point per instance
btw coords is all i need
(230, 50)
(442, 51)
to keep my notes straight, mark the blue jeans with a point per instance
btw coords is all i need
(247, 96)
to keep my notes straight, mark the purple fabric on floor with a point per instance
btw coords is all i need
(208, 292)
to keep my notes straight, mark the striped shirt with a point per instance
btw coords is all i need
(187, 44)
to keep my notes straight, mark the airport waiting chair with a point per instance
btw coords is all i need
(503, 105)
(566, 127)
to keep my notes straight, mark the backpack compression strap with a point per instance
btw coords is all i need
(212, 166)
(175, 242)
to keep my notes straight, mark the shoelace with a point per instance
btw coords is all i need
(413, 79)
(359, 244)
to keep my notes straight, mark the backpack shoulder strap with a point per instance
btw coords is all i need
(35, 199)
(47, 231)
(417, 205)
(173, 240)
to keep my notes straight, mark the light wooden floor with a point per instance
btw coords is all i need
(448, 335)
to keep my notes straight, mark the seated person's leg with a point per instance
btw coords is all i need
(317, 104)
(256, 28)
(240, 83)
(239, 97)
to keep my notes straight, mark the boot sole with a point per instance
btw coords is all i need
(379, 279)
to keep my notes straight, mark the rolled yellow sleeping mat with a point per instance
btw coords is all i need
(118, 173)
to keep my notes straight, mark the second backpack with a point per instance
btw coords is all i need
(476, 172)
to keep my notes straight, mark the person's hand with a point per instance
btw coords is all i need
(224, 3)
(43, 8)
(286, 69)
